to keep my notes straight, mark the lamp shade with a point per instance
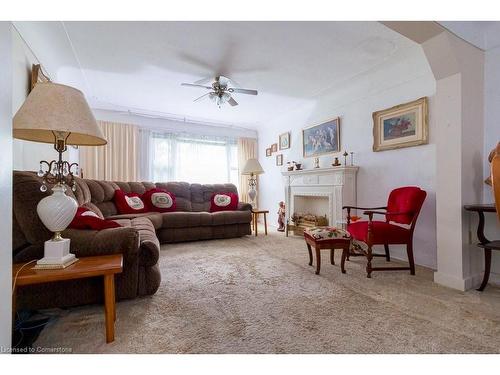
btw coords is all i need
(51, 107)
(252, 166)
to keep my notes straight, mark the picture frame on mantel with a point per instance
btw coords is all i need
(404, 125)
(321, 139)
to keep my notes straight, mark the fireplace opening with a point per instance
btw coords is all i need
(308, 211)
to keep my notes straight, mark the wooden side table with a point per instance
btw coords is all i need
(484, 243)
(106, 266)
(255, 216)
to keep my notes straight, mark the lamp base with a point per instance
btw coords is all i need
(56, 254)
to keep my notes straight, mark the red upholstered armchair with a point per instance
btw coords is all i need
(403, 207)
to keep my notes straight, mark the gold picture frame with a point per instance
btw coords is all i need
(404, 125)
(321, 139)
(37, 76)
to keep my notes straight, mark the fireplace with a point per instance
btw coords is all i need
(320, 192)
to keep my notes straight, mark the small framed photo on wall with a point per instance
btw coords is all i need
(279, 160)
(274, 147)
(268, 151)
(284, 141)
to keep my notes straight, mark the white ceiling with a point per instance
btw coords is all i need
(139, 66)
(482, 34)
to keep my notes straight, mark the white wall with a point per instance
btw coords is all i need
(491, 138)
(26, 154)
(404, 77)
(6, 184)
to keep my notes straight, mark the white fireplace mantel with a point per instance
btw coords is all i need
(338, 184)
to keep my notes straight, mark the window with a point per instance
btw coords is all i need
(194, 159)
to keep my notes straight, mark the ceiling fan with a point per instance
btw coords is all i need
(220, 90)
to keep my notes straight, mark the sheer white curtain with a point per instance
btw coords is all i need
(192, 158)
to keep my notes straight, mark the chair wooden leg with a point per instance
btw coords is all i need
(265, 223)
(318, 260)
(487, 266)
(369, 257)
(387, 253)
(332, 256)
(345, 253)
(409, 250)
(310, 254)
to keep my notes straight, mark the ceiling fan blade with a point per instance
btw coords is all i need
(202, 97)
(204, 81)
(195, 85)
(232, 102)
(243, 91)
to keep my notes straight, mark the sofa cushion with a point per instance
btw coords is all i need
(186, 219)
(231, 217)
(156, 218)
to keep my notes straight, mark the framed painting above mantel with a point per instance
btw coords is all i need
(321, 139)
(404, 125)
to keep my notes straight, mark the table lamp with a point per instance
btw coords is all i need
(57, 114)
(252, 168)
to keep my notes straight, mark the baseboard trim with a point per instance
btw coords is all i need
(450, 281)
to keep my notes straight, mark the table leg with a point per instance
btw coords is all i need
(310, 254)
(345, 253)
(332, 256)
(109, 307)
(487, 266)
(256, 225)
(265, 223)
(318, 260)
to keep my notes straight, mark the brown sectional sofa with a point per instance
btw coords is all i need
(138, 239)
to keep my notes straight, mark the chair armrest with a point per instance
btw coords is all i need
(85, 243)
(370, 213)
(242, 206)
(364, 208)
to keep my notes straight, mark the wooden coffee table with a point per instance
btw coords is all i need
(106, 266)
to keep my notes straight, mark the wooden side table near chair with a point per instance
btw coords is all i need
(255, 215)
(106, 266)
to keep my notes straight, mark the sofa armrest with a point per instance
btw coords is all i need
(242, 206)
(86, 243)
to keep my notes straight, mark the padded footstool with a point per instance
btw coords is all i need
(327, 238)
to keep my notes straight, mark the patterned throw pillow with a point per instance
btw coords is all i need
(223, 202)
(159, 200)
(86, 219)
(128, 203)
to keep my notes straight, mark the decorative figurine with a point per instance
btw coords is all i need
(316, 162)
(352, 158)
(281, 217)
(336, 162)
(298, 166)
(345, 154)
(289, 166)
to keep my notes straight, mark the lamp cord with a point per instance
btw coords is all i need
(17, 274)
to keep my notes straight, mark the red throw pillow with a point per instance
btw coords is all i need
(223, 202)
(159, 200)
(129, 203)
(87, 219)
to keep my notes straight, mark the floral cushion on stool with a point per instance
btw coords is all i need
(327, 233)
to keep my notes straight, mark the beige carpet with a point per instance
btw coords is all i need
(258, 295)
